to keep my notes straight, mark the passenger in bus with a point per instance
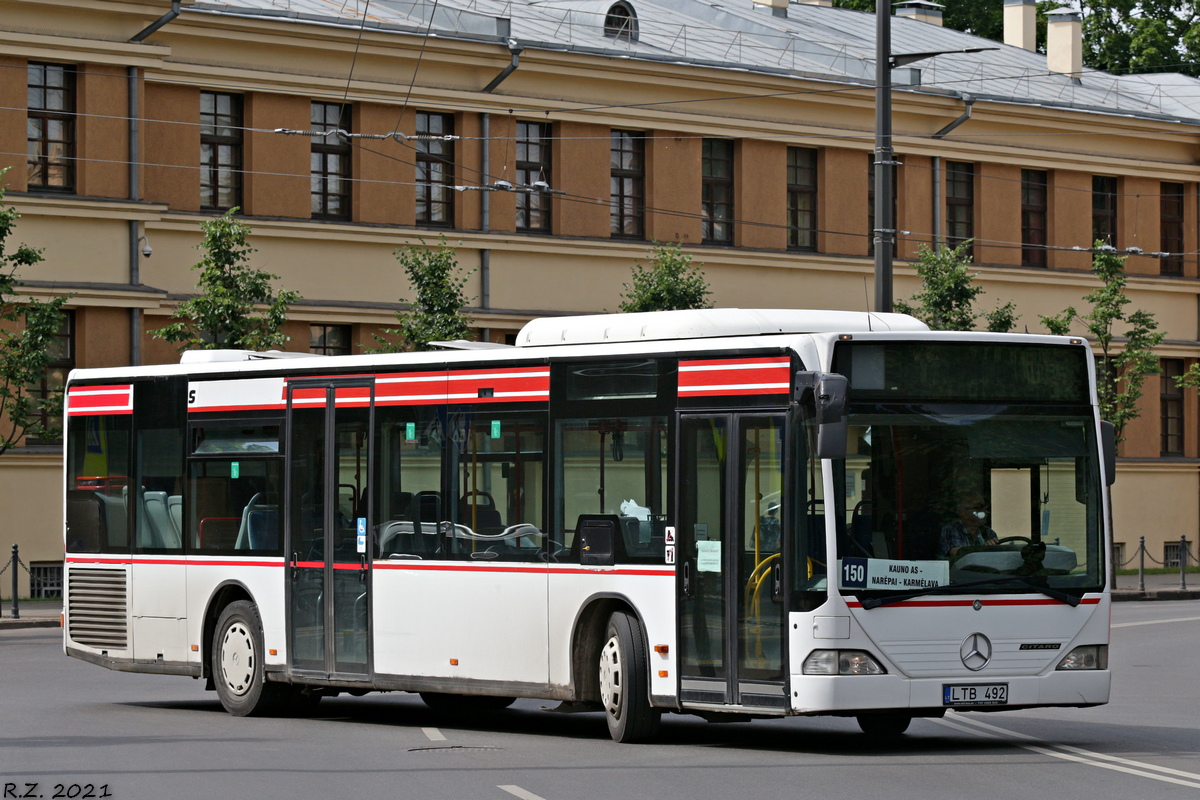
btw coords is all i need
(969, 530)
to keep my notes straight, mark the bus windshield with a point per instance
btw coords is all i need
(938, 495)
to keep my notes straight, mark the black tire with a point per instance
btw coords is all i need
(625, 683)
(884, 726)
(237, 664)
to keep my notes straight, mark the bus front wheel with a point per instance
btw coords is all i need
(624, 681)
(237, 663)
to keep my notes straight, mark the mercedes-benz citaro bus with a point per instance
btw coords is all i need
(719, 512)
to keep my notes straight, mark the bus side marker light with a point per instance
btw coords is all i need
(662, 649)
(273, 652)
(454, 662)
(195, 648)
(662, 673)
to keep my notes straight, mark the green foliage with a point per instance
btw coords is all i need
(226, 312)
(1120, 375)
(669, 283)
(24, 353)
(437, 313)
(1119, 36)
(946, 301)
(1142, 35)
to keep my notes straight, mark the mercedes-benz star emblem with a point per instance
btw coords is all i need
(976, 652)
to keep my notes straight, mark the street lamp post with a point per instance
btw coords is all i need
(884, 235)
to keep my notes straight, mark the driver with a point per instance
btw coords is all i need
(969, 529)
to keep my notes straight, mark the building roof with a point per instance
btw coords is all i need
(815, 42)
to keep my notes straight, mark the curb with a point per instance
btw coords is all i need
(8, 624)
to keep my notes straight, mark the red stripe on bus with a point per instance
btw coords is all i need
(175, 561)
(1087, 601)
(528, 570)
(100, 400)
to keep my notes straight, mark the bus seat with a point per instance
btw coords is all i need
(243, 537)
(175, 512)
(590, 527)
(426, 507)
(485, 513)
(262, 528)
(157, 532)
(218, 533)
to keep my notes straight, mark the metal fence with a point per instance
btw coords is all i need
(1174, 554)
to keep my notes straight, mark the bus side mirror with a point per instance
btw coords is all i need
(1108, 446)
(828, 390)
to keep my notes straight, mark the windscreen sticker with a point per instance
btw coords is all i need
(880, 573)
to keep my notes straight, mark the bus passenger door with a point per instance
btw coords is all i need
(732, 509)
(329, 525)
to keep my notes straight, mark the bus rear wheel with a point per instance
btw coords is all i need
(624, 681)
(237, 663)
(884, 726)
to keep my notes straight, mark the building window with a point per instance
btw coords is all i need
(960, 204)
(329, 340)
(802, 198)
(435, 170)
(1104, 209)
(533, 169)
(1171, 240)
(621, 22)
(47, 428)
(717, 191)
(1034, 211)
(45, 580)
(220, 150)
(627, 163)
(51, 127)
(1171, 403)
(1174, 551)
(330, 161)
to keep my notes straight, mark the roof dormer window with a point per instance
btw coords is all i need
(621, 22)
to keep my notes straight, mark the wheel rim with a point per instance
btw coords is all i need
(237, 659)
(611, 678)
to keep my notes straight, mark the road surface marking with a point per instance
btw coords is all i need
(433, 734)
(1155, 622)
(517, 791)
(1077, 754)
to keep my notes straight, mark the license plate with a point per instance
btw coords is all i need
(974, 694)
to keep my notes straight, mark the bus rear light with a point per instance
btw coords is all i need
(841, 662)
(1092, 656)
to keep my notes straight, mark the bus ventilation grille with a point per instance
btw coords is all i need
(97, 608)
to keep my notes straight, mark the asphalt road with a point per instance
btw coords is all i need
(66, 725)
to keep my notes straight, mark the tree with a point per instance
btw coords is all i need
(1142, 35)
(1120, 374)
(946, 301)
(25, 343)
(226, 312)
(437, 313)
(1119, 36)
(671, 282)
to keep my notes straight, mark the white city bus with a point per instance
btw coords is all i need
(721, 512)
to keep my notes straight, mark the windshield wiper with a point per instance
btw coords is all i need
(957, 588)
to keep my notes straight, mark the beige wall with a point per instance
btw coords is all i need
(31, 496)
(13, 103)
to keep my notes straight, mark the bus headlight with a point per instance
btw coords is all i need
(841, 662)
(1091, 656)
